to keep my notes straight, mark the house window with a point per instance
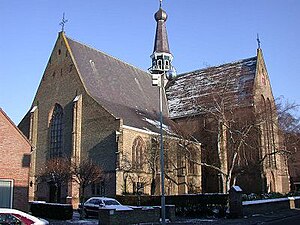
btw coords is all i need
(56, 132)
(138, 150)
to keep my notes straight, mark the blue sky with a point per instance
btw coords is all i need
(201, 33)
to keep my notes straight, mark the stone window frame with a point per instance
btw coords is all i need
(56, 126)
(268, 132)
(138, 151)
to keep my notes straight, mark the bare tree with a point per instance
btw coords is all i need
(146, 172)
(56, 172)
(152, 161)
(85, 173)
(289, 124)
(231, 133)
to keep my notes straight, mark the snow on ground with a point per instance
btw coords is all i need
(75, 220)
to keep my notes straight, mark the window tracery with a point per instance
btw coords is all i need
(56, 132)
(138, 150)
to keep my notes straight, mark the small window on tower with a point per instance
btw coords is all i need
(167, 65)
(59, 51)
(159, 64)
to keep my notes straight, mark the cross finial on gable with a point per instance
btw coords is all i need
(258, 41)
(62, 23)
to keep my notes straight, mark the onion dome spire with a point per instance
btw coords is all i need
(161, 43)
(161, 56)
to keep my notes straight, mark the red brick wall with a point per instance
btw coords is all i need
(14, 160)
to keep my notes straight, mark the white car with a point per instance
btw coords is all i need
(92, 205)
(17, 217)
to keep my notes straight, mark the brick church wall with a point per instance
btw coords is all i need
(61, 84)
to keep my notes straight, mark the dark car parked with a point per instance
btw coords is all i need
(92, 206)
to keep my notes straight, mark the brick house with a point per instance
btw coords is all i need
(15, 151)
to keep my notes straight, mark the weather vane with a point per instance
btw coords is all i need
(62, 23)
(258, 41)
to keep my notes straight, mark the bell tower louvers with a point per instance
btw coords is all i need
(161, 56)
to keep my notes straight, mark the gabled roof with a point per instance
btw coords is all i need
(15, 127)
(192, 93)
(122, 89)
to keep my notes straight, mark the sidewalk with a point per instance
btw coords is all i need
(254, 219)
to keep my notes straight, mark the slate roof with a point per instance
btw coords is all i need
(122, 89)
(192, 93)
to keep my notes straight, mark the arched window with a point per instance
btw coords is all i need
(167, 65)
(138, 150)
(192, 164)
(272, 133)
(265, 130)
(268, 135)
(159, 64)
(56, 132)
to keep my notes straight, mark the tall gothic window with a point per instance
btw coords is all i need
(56, 132)
(268, 133)
(138, 150)
(272, 133)
(192, 160)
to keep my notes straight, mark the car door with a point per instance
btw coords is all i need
(92, 207)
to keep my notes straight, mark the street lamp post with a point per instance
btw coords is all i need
(160, 70)
(158, 79)
(162, 161)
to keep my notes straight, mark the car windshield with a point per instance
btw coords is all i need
(111, 202)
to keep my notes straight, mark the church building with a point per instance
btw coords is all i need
(90, 105)
(230, 109)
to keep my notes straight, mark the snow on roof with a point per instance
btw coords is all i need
(194, 92)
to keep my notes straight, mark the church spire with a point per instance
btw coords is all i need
(161, 43)
(161, 56)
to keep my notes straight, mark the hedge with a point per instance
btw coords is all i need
(52, 210)
(185, 205)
